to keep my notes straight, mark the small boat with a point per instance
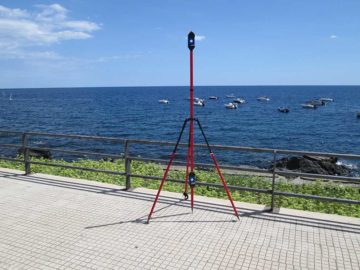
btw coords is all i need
(199, 103)
(263, 98)
(214, 97)
(196, 99)
(163, 101)
(326, 99)
(283, 109)
(239, 101)
(317, 102)
(308, 106)
(230, 96)
(10, 98)
(230, 106)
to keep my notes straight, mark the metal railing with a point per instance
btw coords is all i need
(128, 158)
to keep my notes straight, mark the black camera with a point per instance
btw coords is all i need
(191, 41)
(192, 179)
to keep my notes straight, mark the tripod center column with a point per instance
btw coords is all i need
(191, 156)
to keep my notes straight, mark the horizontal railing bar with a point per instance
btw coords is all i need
(75, 152)
(203, 184)
(77, 168)
(321, 176)
(11, 145)
(75, 136)
(250, 149)
(206, 165)
(11, 159)
(305, 196)
(278, 172)
(220, 147)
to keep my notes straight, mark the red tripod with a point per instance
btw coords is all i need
(190, 178)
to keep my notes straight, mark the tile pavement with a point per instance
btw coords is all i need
(49, 222)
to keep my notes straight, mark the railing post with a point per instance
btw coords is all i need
(127, 166)
(26, 153)
(273, 183)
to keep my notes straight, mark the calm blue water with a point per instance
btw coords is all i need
(135, 113)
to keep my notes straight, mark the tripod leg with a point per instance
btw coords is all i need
(187, 171)
(218, 169)
(224, 184)
(192, 199)
(167, 170)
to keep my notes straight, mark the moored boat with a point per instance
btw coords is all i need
(264, 98)
(196, 99)
(199, 103)
(230, 96)
(239, 101)
(213, 97)
(308, 106)
(163, 101)
(230, 106)
(326, 99)
(283, 109)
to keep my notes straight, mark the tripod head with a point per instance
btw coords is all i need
(191, 41)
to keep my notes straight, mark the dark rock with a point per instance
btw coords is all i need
(37, 153)
(313, 164)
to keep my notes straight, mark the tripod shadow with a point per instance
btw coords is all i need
(263, 214)
(142, 219)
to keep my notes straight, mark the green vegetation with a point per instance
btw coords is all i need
(318, 188)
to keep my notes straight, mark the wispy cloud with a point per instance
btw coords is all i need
(126, 56)
(22, 30)
(333, 36)
(199, 38)
(13, 13)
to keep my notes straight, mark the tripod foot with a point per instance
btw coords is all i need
(186, 196)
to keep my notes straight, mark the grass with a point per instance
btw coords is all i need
(319, 188)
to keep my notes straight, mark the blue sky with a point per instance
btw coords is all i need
(143, 43)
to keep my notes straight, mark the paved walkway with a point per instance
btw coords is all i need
(49, 222)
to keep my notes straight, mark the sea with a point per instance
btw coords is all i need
(135, 113)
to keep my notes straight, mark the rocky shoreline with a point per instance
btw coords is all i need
(313, 165)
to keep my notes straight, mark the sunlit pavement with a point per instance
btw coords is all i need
(50, 222)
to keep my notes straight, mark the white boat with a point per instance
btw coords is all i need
(239, 101)
(196, 99)
(213, 97)
(263, 99)
(10, 98)
(326, 99)
(230, 106)
(163, 101)
(230, 96)
(308, 106)
(199, 103)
